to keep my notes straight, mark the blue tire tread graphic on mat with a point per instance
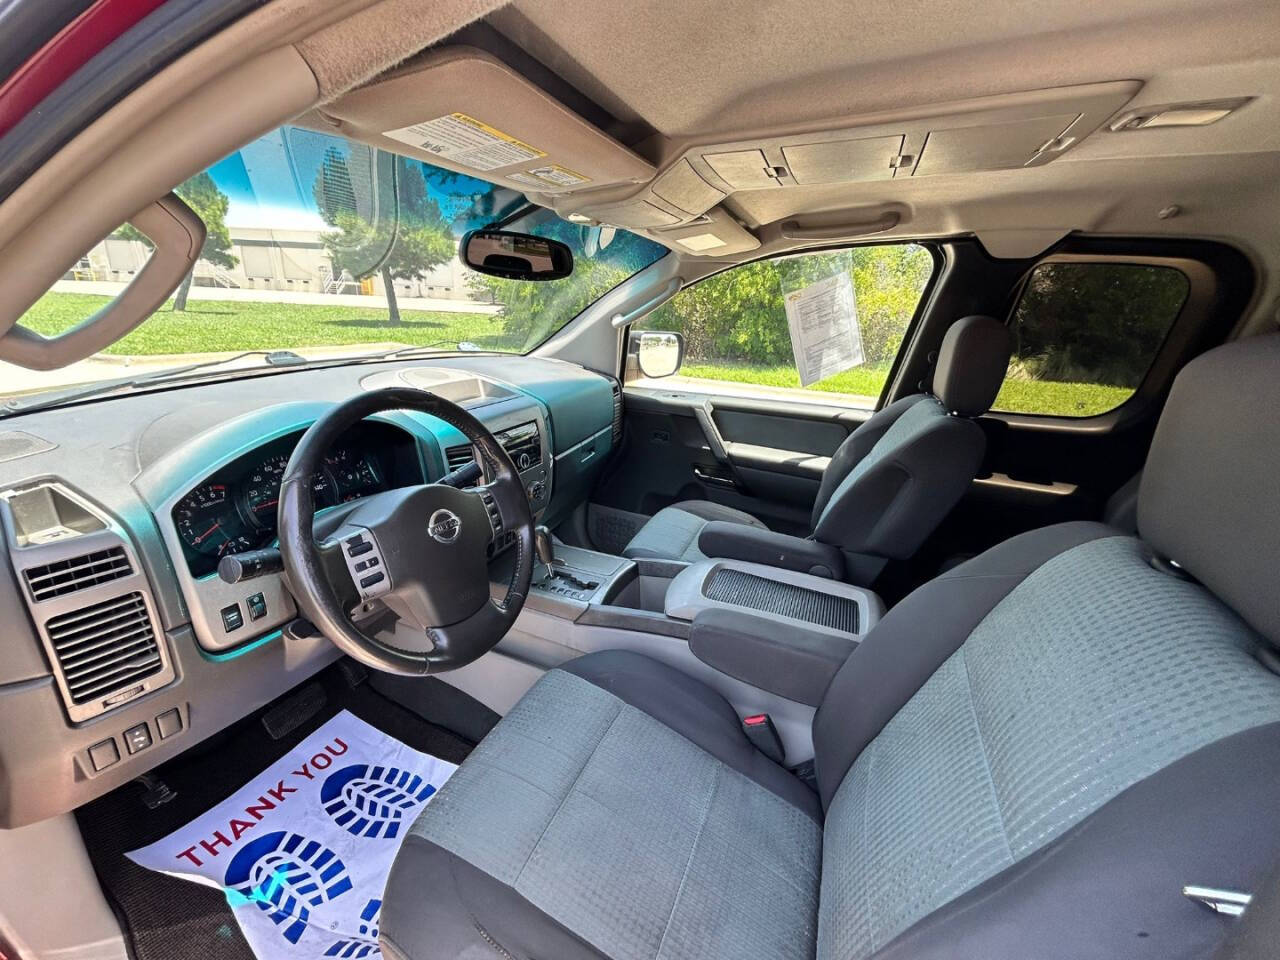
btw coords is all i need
(373, 801)
(365, 946)
(287, 875)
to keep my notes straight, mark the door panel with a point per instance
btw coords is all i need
(762, 456)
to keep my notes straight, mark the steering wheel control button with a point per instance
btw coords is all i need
(169, 723)
(365, 547)
(232, 618)
(104, 754)
(495, 515)
(137, 738)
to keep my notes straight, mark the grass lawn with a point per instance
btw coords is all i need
(1016, 396)
(209, 326)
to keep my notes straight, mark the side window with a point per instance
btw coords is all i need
(1085, 335)
(737, 339)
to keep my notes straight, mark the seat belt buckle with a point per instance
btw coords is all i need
(763, 735)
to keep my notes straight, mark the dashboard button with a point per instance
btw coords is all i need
(137, 738)
(359, 548)
(104, 754)
(232, 618)
(169, 723)
(257, 605)
(372, 579)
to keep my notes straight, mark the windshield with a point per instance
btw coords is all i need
(328, 249)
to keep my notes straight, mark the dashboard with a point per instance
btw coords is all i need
(234, 509)
(115, 512)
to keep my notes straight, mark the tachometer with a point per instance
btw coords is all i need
(208, 522)
(355, 474)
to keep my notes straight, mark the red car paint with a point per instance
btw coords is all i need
(71, 48)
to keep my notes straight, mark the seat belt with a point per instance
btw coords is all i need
(1256, 935)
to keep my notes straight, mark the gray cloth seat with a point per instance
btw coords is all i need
(672, 533)
(893, 480)
(1029, 756)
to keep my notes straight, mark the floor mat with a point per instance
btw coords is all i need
(170, 919)
(303, 850)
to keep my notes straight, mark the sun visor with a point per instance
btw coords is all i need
(464, 110)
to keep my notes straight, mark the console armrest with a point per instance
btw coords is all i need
(738, 541)
(794, 663)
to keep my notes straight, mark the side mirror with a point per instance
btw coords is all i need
(516, 256)
(658, 353)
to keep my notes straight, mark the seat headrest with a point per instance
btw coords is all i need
(1210, 494)
(971, 365)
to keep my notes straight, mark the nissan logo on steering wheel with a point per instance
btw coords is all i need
(444, 526)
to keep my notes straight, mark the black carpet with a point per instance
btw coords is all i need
(170, 919)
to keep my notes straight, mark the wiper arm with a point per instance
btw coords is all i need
(464, 347)
(278, 358)
(406, 351)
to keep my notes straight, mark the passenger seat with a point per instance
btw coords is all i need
(888, 486)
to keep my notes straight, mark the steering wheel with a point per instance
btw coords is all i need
(421, 552)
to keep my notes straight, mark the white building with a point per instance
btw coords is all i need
(271, 259)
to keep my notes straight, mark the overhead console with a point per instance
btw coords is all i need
(682, 205)
(463, 109)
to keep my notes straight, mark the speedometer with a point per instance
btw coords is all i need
(208, 522)
(262, 490)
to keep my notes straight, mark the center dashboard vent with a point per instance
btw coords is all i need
(62, 577)
(104, 647)
(459, 456)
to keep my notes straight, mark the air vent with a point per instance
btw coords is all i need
(105, 647)
(459, 456)
(67, 576)
(617, 413)
(523, 445)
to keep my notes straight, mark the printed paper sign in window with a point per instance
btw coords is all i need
(823, 320)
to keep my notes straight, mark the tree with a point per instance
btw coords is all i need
(364, 241)
(210, 204)
(532, 310)
(738, 315)
(1094, 322)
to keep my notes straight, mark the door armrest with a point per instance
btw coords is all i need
(738, 541)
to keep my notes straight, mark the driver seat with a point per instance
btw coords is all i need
(1029, 756)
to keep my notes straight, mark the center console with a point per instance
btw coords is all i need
(782, 597)
(781, 633)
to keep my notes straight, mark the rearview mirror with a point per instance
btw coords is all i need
(658, 353)
(516, 256)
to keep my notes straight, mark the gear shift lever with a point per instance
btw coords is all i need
(545, 549)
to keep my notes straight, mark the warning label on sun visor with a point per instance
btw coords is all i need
(466, 141)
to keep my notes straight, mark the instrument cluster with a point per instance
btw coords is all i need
(234, 509)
